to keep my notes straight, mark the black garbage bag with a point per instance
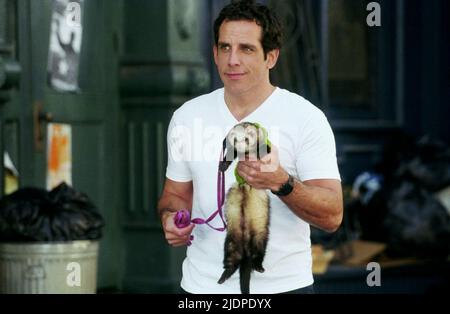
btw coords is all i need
(429, 166)
(63, 214)
(368, 217)
(403, 211)
(417, 224)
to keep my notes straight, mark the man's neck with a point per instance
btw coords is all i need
(244, 104)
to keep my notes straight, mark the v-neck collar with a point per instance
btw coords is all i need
(229, 116)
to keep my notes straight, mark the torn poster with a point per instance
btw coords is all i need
(65, 45)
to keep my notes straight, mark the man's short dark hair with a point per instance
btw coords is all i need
(250, 11)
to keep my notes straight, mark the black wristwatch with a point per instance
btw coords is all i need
(286, 188)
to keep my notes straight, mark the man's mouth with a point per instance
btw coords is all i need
(234, 76)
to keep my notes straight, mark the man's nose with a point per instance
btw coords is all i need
(233, 59)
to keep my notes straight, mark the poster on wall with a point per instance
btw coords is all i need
(65, 44)
(59, 154)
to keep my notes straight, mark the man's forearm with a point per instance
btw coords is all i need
(172, 203)
(319, 206)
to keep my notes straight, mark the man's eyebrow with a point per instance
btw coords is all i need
(244, 45)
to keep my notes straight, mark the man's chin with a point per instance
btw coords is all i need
(235, 89)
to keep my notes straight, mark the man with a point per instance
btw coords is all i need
(304, 186)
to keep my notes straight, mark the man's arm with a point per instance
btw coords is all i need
(318, 202)
(175, 196)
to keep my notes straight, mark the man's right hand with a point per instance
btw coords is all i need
(175, 236)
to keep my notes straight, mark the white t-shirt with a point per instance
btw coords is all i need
(306, 145)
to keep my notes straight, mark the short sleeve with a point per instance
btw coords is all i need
(316, 151)
(177, 151)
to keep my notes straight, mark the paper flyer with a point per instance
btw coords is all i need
(59, 154)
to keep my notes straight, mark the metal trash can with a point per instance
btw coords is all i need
(51, 267)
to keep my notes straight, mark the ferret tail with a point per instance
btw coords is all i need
(245, 271)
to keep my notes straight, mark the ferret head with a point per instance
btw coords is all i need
(243, 140)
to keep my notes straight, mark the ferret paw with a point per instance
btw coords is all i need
(260, 269)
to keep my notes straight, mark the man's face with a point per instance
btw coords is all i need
(240, 60)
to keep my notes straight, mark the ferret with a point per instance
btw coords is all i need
(247, 209)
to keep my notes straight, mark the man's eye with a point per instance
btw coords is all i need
(225, 48)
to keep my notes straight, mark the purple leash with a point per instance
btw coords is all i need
(182, 218)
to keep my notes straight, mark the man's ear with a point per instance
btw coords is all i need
(272, 58)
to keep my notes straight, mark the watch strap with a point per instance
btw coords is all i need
(286, 188)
